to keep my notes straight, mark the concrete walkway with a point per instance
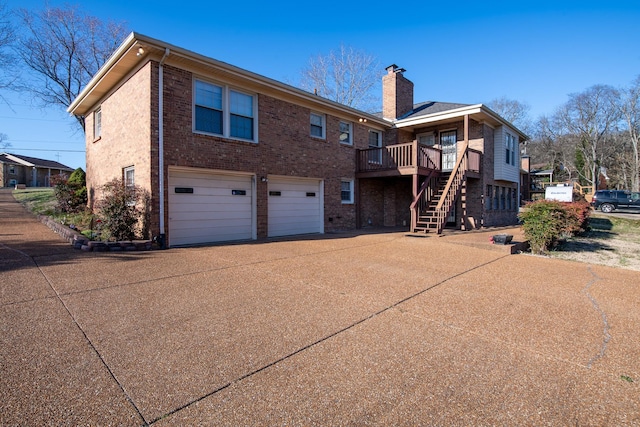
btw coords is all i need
(373, 329)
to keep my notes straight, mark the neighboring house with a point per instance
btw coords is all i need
(228, 154)
(29, 171)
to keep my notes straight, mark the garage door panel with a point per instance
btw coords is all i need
(203, 233)
(294, 207)
(185, 206)
(219, 218)
(210, 212)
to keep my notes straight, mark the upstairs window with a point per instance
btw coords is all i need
(97, 123)
(220, 110)
(317, 125)
(510, 149)
(346, 130)
(209, 108)
(427, 139)
(241, 106)
(375, 145)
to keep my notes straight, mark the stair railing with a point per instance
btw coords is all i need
(443, 208)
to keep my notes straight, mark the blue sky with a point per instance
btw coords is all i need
(470, 52)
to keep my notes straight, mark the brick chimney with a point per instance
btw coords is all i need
(397, 93)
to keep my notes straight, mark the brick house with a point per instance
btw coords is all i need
(228, 154)
(29, 171)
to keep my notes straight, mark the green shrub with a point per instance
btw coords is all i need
(122, 209)
(71, 192)
(545, 222)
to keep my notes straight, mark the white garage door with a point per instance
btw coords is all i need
(295, 206)
(206, 207)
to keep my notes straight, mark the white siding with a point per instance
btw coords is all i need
(503, 171)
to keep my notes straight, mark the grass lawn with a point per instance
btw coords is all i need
(42, 201)
(611, 241)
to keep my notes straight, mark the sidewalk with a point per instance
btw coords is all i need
(376, 329)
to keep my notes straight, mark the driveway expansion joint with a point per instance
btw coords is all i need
(90, 343)
(323, 339)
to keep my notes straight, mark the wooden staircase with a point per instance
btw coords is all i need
(437, 196)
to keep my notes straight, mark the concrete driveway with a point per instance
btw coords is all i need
(372, 329)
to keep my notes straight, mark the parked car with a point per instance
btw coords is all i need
(608, 200)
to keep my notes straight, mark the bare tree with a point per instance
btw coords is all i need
(348, 76)
(7, 38)
(3, 142)
(590, 117)
(546, 145)
(513, 111)
(63, 48)
(630, 108)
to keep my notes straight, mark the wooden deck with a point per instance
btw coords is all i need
(407, 159)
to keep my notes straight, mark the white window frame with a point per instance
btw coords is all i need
(12, 169)
(510, 149)
(351, 191)
(375, 157)
(130, 185)
(348, 141)
(126, 171)
(97, 123)
(226, 111)
(323, 125)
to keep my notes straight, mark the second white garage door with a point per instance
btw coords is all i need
(295, 206)
(208, 207)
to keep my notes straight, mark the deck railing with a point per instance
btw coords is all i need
(411, 154)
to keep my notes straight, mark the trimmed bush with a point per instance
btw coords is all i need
(122, 209)
(545, 222)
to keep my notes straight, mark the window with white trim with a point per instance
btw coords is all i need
(510, 149)
(12, 169)
(346, 191)
(375, 143)
(346, 132)
(97, 123)
(241, 115)
(317, 122)
(220, 110)
(129, 176)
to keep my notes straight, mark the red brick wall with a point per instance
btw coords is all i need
(126, 138)
(385, 201)
(285, 147)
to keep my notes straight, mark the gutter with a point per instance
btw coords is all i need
(162, 239)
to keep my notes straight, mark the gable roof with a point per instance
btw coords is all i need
(32, 162)
(139, 49)
(434, 112)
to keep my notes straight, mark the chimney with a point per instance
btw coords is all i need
(397, 93)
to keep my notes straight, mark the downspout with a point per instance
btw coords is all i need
(162, 239)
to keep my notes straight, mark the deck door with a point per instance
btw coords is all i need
(449, 146)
